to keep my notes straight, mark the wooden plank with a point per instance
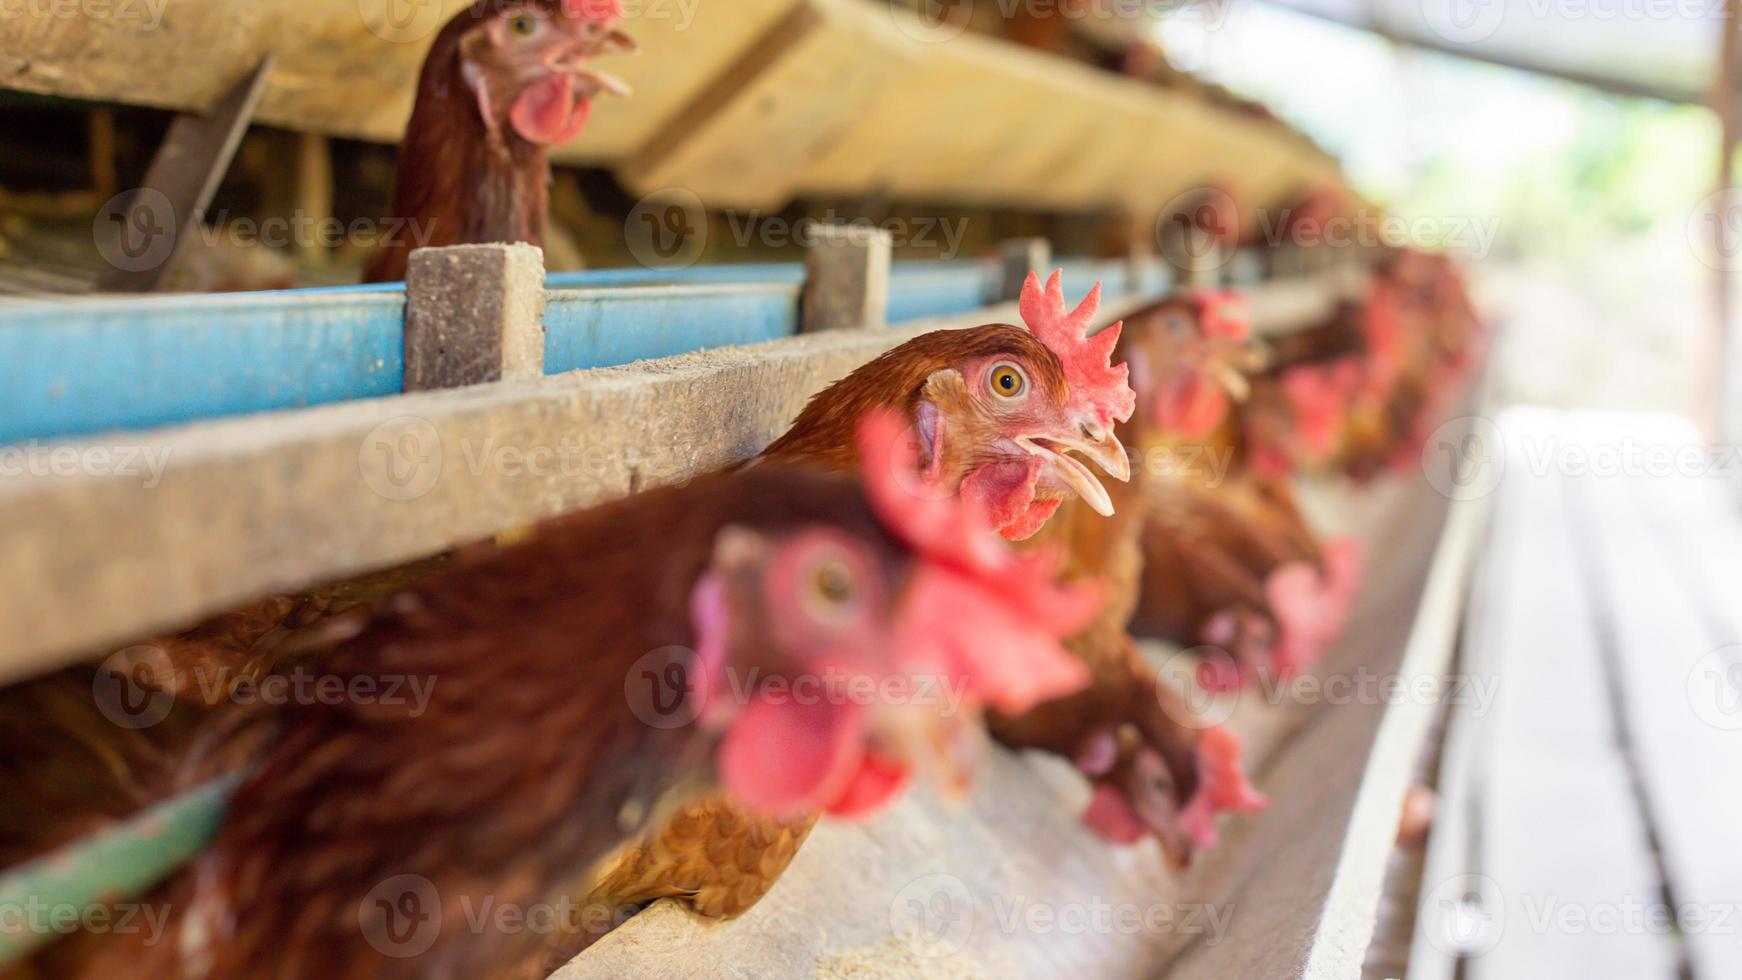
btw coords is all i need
(850, 98)
(1062, 135)
(196, 153)
(252, 506)
(1674, 636)
(192, 51)
(1453, 840)
(1555, 784)
(739, 144)
(746, 104)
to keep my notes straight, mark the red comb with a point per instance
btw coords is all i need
(1223, 315)
(1096, 384)
(604, 11)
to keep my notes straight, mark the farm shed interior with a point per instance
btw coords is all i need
(299, 383)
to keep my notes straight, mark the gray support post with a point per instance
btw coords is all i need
(846, 283)
(1020, 256)
(473, 314)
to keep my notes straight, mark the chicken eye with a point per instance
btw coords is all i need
(830, 593)
(1007, 381)
(833, 584)
(523, 25)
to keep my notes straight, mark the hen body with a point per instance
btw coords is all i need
(525, 767)
(715, 857)
(1219, 529)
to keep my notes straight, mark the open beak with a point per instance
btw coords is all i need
(592, 81)
(1232, 380)
(1106, 452)
(589, 80)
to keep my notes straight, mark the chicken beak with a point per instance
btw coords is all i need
(618, 42)
(1232, 380)
(596, 81)
(1105, 452)
(590, 79)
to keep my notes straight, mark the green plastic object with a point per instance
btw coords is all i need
(44, 899)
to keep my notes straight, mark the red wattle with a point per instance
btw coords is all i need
(548, 113)
(783, 757)
(1112, 818)
(1005, 494)
(876, 783)
(1029, 522)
